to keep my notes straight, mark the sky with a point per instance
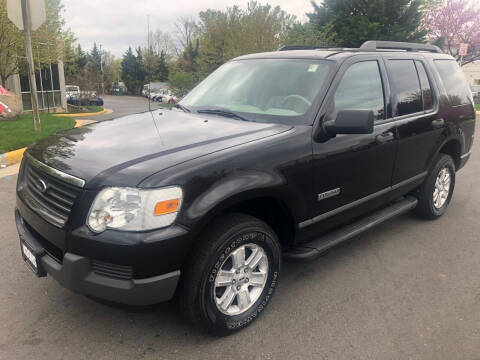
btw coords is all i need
(116, 24)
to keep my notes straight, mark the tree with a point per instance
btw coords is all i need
(308, 34)
(11, 45)
(76, 67)
(50, 41)
(221, 35)
(453, 23)
(226, 34)
(355, 21)
(161, 67)
(112, 69)
(181, 82)
(95, 58)
(185, 30)
(133, 71)
(163, 42)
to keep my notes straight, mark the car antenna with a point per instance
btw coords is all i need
(148, 62)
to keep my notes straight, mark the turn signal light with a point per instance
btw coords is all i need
(166, 207)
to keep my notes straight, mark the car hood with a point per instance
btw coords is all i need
(124, 151)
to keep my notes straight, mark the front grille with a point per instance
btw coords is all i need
(112, 270)
(51, 198)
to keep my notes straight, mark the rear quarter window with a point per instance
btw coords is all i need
(454, 82)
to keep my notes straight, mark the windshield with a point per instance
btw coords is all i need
(268, 90)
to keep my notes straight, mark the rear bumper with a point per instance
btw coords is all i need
(75, 273)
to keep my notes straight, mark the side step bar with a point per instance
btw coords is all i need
(312, 249)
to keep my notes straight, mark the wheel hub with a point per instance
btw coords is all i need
(442, 188)
(241, 279)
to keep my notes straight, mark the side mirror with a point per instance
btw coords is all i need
(354, 121)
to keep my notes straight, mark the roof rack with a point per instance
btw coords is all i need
(301, 47)
(395, 45)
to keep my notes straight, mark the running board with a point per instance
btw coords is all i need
(311, 250)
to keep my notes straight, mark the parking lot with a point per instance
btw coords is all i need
(124, 105)
(409, 289)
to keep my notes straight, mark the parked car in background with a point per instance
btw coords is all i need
(85, 98)
(71, 90)
(153, 87)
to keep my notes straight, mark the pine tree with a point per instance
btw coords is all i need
(128, 70)
(354, 21)
(133, 70)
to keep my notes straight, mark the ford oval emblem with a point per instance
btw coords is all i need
(41, 186)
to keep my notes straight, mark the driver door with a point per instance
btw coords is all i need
(353, 170)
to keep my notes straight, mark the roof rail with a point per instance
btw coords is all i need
(373, 45)
(301, 47)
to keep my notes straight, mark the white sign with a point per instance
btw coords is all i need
(463, 49)
(36, 9)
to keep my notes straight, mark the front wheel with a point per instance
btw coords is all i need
(437, 190)
(233, 274)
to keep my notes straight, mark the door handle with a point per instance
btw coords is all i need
(438, 123)
(385, 137)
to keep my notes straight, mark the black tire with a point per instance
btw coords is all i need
(197, 290)
(426, 208)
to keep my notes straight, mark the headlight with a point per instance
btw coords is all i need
(131, 209)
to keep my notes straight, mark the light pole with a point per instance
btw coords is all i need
(101, 69)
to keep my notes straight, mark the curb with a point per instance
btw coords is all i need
(15, 156)
(104, 111)
(12, 157)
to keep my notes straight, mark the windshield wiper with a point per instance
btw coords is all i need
(222, 112)
(181, 107)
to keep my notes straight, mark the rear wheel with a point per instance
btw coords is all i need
(233, 274)
(437, 190)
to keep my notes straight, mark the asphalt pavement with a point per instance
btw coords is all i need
(408, 289)
(124, 105)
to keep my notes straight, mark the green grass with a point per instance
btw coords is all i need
(20, 133)
(94, 108)
(477, 107)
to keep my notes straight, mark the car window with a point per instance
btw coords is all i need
(425, 85)
(269, 90)
(361, 88)
(406, 87)
(453, 81)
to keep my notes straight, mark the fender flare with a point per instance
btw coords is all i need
(241, 187)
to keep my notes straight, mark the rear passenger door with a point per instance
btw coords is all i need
(415, 111)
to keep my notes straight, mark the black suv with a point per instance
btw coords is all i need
(281, 154)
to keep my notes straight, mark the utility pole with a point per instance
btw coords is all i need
(27, 22)
(101, 69)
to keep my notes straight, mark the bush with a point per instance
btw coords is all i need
(181, 82)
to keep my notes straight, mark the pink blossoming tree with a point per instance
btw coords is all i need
(452, 23)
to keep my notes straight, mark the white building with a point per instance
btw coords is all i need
(472, 72)
(50, 88)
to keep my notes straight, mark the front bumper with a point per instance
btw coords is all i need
(75, 273)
